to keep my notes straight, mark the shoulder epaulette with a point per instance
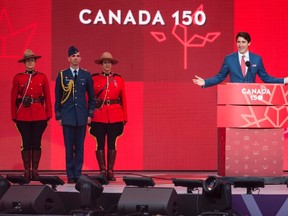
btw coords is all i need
(115, 74)
(96, 74)
(62, 70)
(84, 69)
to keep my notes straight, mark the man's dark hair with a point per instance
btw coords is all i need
(244, 35)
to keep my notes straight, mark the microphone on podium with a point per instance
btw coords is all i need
(248, 64)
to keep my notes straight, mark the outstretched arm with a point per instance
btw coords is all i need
(199, 81)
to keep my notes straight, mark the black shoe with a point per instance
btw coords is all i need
(71, 181)
(76, 179)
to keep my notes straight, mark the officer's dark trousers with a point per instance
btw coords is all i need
(111, 130)
(31, 134)
(74, 145)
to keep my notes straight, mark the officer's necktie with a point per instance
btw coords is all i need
(243, 65)
(75, 75)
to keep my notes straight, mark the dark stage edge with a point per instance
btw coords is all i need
(270, 200)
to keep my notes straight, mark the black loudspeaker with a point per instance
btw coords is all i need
(38, 199)
(151, 201)
(4, 186)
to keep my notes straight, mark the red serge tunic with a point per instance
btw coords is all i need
(38, 86)
(111, 87)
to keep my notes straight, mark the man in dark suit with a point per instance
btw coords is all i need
(242, 66)
(73, 112)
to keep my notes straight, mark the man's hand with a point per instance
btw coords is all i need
(286, 80)
(89, 120)
(199, 81)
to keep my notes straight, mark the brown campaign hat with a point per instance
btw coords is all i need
(106, 56)
(28, 54)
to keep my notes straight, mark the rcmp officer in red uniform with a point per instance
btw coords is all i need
(110, 114)
(73, 112)
(31, 108)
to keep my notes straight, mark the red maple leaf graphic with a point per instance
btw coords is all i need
(180, 32)
(13, 43)
(276, 116)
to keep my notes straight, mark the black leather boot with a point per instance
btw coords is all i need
(36, 155)
(100, 155)
(26, 157)
(111, 161)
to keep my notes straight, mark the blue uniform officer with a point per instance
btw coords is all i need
(73, 111)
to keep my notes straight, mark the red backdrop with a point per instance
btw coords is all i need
(172, 122)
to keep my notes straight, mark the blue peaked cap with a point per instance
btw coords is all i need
(72, 50)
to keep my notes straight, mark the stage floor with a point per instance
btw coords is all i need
(270, 200)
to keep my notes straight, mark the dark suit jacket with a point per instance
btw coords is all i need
(232, 67)
(75, 110)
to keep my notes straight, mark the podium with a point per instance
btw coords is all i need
(251, 118)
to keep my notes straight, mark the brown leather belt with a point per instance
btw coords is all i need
(31, 100)
(37, 100)
(27, 101)
(110, 102)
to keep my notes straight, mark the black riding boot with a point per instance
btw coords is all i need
(100, 155)
(26, 157)
(111, 161)
(36, 155)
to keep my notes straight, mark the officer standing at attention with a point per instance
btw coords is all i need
(73, 111)
(110, 115)
(31, 108)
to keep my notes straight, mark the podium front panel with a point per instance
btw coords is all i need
(251, 152)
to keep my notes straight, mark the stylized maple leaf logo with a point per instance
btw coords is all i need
(13, 43)
(271, 112)
(195, 40)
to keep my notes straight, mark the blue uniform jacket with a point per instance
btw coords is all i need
(232, 67)
(75, 110)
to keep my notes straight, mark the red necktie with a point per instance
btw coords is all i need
(243, 65)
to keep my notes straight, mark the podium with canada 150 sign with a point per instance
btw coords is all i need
(251, 118)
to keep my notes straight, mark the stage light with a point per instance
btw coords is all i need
(54, 181)
(250, 183)
(138, 181)
(216, 196)
(190, 184)
(90, 190)
(17, 179)
(4, 185)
